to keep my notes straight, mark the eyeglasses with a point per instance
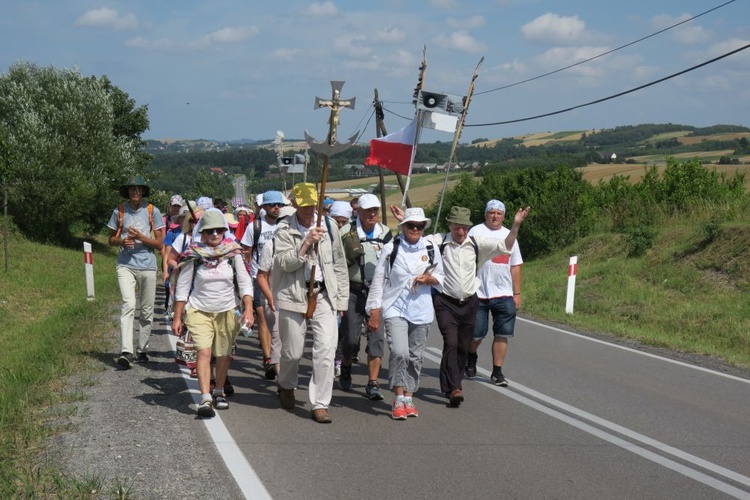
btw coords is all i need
(278, 205)
(214, 232)
(415, 225)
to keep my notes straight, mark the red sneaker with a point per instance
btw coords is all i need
(411, 410)
(399, 410)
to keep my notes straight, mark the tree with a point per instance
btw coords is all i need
(64, 149)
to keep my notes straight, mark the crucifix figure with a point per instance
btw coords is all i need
(335, 104)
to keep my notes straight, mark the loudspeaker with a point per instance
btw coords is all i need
(286, 161)
(455, 105)
(431, 101)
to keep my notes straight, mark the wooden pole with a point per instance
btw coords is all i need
(380, 132)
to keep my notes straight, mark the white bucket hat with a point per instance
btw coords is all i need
(414, 214)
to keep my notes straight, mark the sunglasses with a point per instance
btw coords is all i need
(214, 232)
(415, 225)
(279, 205)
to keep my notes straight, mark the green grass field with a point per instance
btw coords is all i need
(48, 332)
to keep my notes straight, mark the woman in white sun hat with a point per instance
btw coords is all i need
(401, 296)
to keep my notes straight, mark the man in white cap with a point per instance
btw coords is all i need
(363, 244)
(254, 238)
(499, 292)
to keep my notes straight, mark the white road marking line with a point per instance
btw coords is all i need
(649, 455)
(244, 475)
(630, 349)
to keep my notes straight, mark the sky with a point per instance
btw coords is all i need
(228, 70)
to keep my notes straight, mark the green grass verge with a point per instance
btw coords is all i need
(48, 332)
(688, 293)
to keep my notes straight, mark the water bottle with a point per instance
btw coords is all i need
(245, 329)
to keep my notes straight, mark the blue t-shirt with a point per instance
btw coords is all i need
(141, 256)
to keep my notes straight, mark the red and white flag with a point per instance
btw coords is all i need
(394, 151)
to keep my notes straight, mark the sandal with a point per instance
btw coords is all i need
(206, 409)
(220, 402)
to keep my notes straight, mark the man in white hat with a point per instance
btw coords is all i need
(363, 244)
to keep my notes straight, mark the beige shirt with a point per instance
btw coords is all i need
(460, 262)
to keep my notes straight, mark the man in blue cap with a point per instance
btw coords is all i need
(255, 237)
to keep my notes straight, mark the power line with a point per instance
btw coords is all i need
(400, 116)
(605, 53)
(740, 49)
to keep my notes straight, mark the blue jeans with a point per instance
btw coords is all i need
(503, 317)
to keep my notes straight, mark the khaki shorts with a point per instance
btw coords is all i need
(216, 331)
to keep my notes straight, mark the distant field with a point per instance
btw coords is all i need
(596, 172)
(423, 190)
(668, 135)
(717, 137)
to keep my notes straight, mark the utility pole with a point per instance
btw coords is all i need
(380, 132)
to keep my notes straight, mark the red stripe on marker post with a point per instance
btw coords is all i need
(572, 270)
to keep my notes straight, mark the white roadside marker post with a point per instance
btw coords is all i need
(572, 270)
(88, 259)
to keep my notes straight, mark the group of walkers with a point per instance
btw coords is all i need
(334, 277)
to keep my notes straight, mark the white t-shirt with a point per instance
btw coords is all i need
(495, 279)
(267, 231)
(181, 243)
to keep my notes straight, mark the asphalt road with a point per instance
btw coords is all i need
(581, 418)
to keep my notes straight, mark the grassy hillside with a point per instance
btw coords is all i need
(688, 293)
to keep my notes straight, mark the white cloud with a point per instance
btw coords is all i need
(288, 55)
(107, 18)
(444, 4)
(466, 24)
(221, 36)
(739, 59)
(715, 82)
(460, 40)
(404, 58)
(350, 45)
(325, 9)
(554, 28)
(686, 34)
(389, 34)
(158, 44)
(232, 34)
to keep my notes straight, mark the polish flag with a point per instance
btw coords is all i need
(394, 150)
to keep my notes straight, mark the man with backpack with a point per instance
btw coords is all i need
(362, 246)
(137, 229)
(456, 305)
(254, 238)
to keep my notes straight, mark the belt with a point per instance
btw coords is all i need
(454, 300)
